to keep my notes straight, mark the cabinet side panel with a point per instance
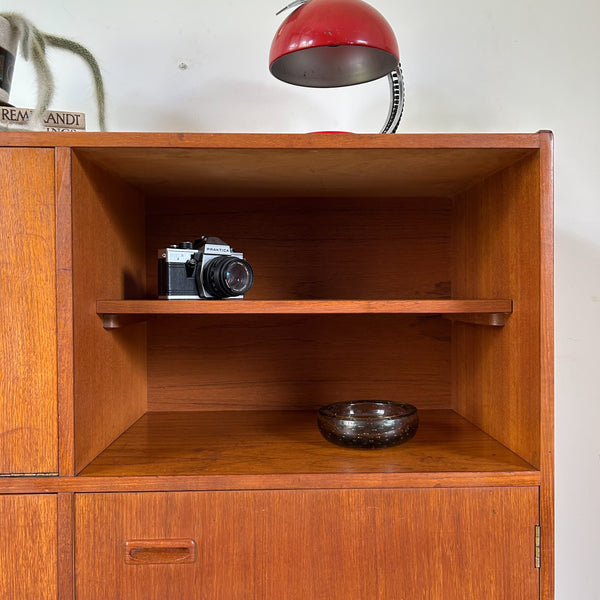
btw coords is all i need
(28, 372)
(28, 547)
(109, 367)
(496, 370)
(547, 364)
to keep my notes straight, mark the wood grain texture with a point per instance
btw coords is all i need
(109, 371)
(315, 307)
(384, 544)
(497, 254)
(28, 370)
(66, 536)
(294, 481)
(162, 140)
(302, 248)
(28, 547)
(547, 363)
(296, 361)
(286, 442)
(314, 171)
(64, 310)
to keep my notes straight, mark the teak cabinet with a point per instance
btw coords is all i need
(156, 449)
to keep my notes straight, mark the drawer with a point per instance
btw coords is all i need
(307, 544)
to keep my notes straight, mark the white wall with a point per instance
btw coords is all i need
(470, 65)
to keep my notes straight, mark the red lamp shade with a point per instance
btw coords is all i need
(333, 43)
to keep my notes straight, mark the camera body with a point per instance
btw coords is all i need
(207, 269)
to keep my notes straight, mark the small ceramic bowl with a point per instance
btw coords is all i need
(368, 424)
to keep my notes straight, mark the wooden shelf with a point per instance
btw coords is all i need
(116, 313)
(272, 443)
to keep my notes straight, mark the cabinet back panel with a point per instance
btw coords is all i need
(307, 248)
(296, 362)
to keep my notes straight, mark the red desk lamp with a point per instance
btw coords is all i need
(334, 43)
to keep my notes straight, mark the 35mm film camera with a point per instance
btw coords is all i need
(208, 268)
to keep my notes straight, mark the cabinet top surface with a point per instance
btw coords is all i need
(271, 140)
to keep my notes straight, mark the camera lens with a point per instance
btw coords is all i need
(227, 276)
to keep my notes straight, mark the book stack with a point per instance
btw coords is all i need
(12, 117)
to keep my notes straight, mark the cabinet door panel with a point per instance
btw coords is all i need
(298, 545)
(28, 547)
(28, 372)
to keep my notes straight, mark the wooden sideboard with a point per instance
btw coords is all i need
(154, 449)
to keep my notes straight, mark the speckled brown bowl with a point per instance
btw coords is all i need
(368, 424)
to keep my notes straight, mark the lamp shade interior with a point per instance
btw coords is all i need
(333, 66)
(333, 43)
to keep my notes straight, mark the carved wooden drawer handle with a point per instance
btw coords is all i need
(152, 552)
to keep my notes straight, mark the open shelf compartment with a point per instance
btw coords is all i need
(363, 289)
(288, 442)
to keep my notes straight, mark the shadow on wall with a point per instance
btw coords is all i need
(577, 295)
(577, 411)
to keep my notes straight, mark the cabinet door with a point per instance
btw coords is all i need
(28, 547)
(299, 545)
(28, 377)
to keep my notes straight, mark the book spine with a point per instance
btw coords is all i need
(53, 120)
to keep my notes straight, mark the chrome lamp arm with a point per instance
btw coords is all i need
(396, 82)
